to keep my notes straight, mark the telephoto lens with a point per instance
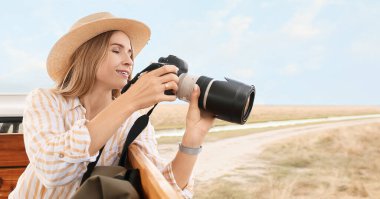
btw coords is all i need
(228, 99)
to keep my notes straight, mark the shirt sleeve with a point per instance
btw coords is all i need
(148, 143)
(58, 155)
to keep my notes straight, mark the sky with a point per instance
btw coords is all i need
(295, 52)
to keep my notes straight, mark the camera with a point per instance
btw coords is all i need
(228, 100)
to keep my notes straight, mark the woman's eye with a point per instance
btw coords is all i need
(116, 50)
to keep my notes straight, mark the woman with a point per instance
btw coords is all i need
(65, 127)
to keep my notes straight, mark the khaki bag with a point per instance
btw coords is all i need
(107, 182)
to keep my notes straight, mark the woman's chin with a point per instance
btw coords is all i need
(121, 86)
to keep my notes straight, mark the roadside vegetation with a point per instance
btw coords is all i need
(338, 163)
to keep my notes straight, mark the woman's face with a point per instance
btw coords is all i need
(115, 69)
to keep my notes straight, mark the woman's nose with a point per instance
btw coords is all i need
(127, 60)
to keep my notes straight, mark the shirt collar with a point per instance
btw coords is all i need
(74, 103)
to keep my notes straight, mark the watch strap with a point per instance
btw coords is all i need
(189, 150)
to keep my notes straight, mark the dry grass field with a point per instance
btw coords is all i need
(167, 116)
(338, 163)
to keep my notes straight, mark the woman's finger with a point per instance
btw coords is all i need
(169, 77)
(171, 86)
(164, 70)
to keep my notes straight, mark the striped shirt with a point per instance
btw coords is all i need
(57, 144)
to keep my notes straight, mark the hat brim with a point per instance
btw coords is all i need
(57, 61)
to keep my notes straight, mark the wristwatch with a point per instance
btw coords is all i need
(189, 150)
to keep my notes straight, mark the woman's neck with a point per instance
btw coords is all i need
(95, 101)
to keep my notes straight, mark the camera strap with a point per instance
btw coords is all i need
(135, 131)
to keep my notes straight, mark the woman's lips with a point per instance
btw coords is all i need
(123, 73)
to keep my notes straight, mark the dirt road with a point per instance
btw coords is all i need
(223, 157)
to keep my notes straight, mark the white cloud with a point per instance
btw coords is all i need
(301, 25)
(301, 30)
(20, 61)
(224, 22)
(217, 20)
(237, 27)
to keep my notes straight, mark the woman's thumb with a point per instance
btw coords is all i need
(195, 95)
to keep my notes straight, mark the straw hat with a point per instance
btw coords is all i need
(85, 29)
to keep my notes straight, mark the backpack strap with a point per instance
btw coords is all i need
(90, 167)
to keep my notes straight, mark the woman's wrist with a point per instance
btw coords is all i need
(192, 140)
(127, 105)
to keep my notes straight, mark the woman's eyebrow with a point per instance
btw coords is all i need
(121, 45)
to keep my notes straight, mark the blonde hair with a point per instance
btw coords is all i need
(83, 65)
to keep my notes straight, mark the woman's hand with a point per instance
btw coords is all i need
(198, 122)
(150, 87)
